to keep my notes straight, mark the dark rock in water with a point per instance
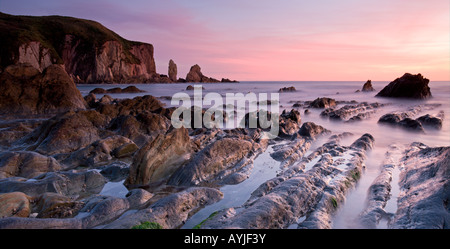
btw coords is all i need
(430, 121)
(310, 129)
(407, 86)
(190, 88)
(226, 80)
(116, 171)
(24, 90)
(287, 89)
(128, 89)
(367, 87)
(322, 103)
(411, 124)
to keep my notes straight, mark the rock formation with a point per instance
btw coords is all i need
(172, 71)
(24, 90)
(287, 89)
(407, 86)
(195, 75)
(367, 87)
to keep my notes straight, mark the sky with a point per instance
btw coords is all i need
(284, 40)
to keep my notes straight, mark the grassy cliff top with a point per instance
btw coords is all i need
(50, 31)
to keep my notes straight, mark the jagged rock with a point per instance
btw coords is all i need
(91, 100)
(172, 71)
(24, 90)
(116, 171)
(367, 87)
(195, 75)
(407, 86)
(289, 122)
(26, 164)
(160, 157)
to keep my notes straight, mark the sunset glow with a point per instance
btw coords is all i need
(288, 40)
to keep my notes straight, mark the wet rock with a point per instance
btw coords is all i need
(15, 204)
(215, 158)
(407, 86)
(431, 121)
(26, 164)
(170, 212)
(24, 90)
(367, 87)
(160, 157)
(322, 103)
(424, 185)
(287, 89)
(379, 191)
(293, 194)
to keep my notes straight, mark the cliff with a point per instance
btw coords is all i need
(90, 52)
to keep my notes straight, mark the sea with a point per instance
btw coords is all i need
(266, 168)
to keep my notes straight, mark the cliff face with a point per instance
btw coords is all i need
(89, 52)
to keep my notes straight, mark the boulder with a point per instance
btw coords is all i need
(54, 205)
(26, 164)
(160, 157)
(430, 121)
(367, 87)
(310, 129)
(407, 86)
(24, 90)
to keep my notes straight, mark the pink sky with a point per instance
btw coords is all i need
(283, 40)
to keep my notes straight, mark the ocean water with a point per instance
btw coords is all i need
(340, 91)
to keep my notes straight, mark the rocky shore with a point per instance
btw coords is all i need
(60, 152)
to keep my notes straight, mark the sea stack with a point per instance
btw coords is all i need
(172, 71)
(368, 86)
(413, 86)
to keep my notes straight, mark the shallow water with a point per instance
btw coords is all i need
(264, 169)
